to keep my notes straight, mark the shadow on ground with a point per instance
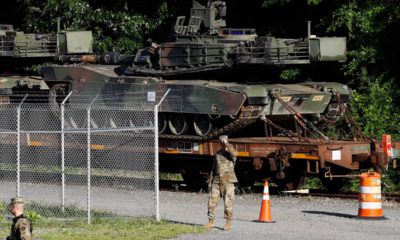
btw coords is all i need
(330, 214)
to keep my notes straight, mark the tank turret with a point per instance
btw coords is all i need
(20, 48)
(204, 43)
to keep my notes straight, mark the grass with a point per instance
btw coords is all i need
(53, 227)
(313, 183)
(390, 179)
(35, 168)
(171, 176)
(105, 229)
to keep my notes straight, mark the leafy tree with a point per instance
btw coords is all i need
(116, 27)
(371, 28)
(374, 109)
(368, 24)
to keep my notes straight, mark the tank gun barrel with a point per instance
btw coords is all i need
(110, 58)
(78, 58)
(293, 41)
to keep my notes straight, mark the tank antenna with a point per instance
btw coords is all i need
(308, 29)
(58, 24)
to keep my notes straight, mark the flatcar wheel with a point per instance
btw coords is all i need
(177, 124)
(202, 125)
(162, 123)
(294, 177)
(292, 183)
(334, 184)
(246, 176)
(191, 181)
(195, 180)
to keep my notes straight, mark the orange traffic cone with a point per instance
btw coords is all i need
(370, 205)
(265, 212)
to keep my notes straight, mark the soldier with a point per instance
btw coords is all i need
(21, 226)
(222, 182)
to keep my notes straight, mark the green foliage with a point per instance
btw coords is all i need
(339, 130)
(268, 3)
(314, 2)
(55, 211)
(376, 101)
(358, 68)
(289, 74)
(3, 208)
(313, 183)
(391, 180)
(373, 108)
(32, 216)
(353, 185)
(116, 28)
(105, 229)
(359, 18)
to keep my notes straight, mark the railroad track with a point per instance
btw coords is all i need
(168, 185)
(350, 195)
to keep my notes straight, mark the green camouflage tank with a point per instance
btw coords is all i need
(208, 106)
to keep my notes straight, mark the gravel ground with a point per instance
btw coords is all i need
(296, 218)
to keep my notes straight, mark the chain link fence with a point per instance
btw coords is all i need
(84, 157)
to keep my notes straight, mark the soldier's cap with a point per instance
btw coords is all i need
(17, 200)
(223, 137)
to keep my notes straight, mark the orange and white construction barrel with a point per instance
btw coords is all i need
(370, 198)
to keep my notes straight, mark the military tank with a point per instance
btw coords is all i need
(20, 50)
(204, 107)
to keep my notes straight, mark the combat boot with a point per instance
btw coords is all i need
(228, 225)
(210, 224)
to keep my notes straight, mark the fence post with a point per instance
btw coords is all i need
(156, 160)
(63, 152)
(19, 145)
(88, 159)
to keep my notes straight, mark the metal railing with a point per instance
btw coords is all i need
(37, 48)
(275, 55)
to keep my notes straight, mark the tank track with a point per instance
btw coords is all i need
(234, 126)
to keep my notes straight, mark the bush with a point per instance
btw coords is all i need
(33, 216)
(391, 180)
(375, 110)
(3, 208)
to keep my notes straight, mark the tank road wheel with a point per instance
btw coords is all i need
(162, 123)
(177, 124)
(202, 125)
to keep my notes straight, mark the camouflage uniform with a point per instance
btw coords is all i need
(20, 229)
(222, 181)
